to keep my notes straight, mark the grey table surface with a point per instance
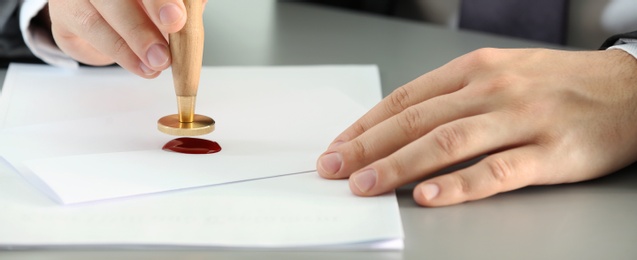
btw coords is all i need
(590, 220)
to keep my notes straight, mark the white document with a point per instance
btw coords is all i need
(300, 211)
(90, 136)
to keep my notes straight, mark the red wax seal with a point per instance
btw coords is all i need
(192, 146)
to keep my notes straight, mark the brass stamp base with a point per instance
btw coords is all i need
(171, 125)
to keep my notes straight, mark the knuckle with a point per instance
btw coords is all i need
(120, 47)
(88, 19)
(450, 139)
(136, 31)
(462, 183)
(481, 57)
(503, 85)
(395, 167)
(399, 100)
(500, 170)
(409, 121)
(359, 151)
(361, 126)
(358, 128)
(501, 82)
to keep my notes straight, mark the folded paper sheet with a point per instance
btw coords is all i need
(300, 211)
(89, 135)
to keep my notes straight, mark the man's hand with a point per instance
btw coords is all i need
(540, 117)
(130, 33)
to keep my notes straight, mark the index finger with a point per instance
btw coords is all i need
(443, 80)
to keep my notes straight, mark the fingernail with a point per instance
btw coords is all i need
(365, 180)
(157, 55)
(331, 163)
(170, 14)
(430, 191)
(146, 70)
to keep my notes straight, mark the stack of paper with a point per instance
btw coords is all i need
(87, 138)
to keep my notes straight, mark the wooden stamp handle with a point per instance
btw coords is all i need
(186, 48)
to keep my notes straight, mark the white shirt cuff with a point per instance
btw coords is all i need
(38, 39)
(627, 45)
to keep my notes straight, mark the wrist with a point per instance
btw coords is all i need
(627, 45)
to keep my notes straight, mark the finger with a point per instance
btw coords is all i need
(501, 172)
(139, 33)
(169, 16)
(444, 80)
(447, 145)
(395, 132)
(65, 15)
(81, 32)
(78, 48)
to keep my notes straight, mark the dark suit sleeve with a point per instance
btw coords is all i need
(613, 39)
(12, 45)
